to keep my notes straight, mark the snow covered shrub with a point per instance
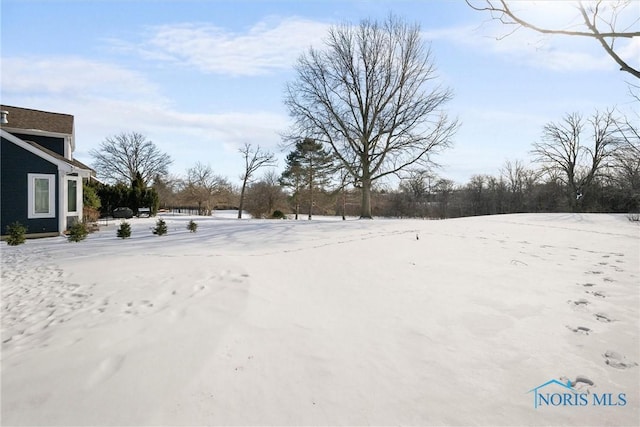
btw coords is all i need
(78, 231)
(192, 226)
(634, 217)
(160, 228)
(278, 215)
(124, 231)
(16, 234)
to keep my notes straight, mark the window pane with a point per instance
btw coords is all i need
(72, 201)
(42, 195)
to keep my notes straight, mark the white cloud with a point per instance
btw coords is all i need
(107, 99)
(267, 46)
(73, 76)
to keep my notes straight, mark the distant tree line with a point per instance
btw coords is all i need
(580, 164)
(367, 110)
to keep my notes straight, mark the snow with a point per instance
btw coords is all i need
(323, 322)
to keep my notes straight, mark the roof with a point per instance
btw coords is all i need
(28, 119)
(72, 162)
(69, 165)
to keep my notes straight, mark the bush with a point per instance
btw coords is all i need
(634, 217)
(16, 234)
(278, 215)
(90, 214)
(124, 231)
(192, 226)
(78, 231)
(90, 198)
(160, 228)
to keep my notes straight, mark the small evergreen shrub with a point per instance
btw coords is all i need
(278, 215)
(78, 231)
(192, 226)
(160, 228)
(634, 217)
(16, 234)
(124, 232)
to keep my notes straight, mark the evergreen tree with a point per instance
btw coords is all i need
(293, 177)
(124, 232)
(160, 228)
(308, 166)
(16, 234)
(78, 231)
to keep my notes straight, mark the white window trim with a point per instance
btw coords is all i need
(78, 181)
(31, 185)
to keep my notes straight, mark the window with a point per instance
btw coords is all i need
(41, 193)
(72, 195)
(41, 205)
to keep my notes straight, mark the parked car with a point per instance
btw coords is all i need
(144, 212)
(122, 212)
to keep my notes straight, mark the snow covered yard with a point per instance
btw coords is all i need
(324, 322)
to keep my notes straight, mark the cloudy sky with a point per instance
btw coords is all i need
(201, 78)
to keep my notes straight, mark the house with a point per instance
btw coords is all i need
(40, 182)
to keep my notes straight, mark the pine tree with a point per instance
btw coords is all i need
(16, 234)
(292, 177)
(308, 166)
(78, 231)
(160, 228)
(124, 231)
(192, 226)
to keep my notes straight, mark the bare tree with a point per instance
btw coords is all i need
(371, 95)
(599, 20)
(265, 196)
(626, 163)
(121, 157)
(563, 153)
(254, 159)
(204, 188)
(519, 181)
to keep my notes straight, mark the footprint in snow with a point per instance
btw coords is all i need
(580, 330)
(617, 360)
(603, 318)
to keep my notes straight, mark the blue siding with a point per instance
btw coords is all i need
(52, 143)
(15, 164)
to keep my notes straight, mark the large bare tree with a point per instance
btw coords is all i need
(576, 151)
(599, 21)
(254, 159)
(121, 157)
(371, 94)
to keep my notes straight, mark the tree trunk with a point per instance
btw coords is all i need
(365, 206)
(241, 204)
(310, 202)
(344, 204)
